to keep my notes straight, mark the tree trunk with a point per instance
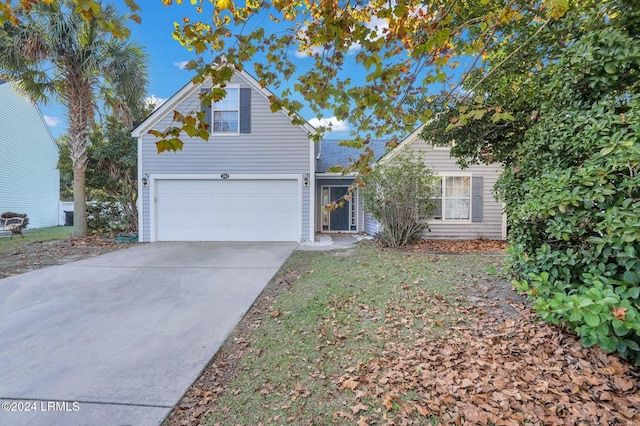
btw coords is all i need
(80, 109)
(80, 228)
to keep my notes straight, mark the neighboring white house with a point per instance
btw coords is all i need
(29, 177)
(252, 181)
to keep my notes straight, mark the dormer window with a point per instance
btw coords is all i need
(231, 115)
(226, 113)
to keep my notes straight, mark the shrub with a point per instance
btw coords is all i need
(105, 216)
(575, 219)
(399, 195)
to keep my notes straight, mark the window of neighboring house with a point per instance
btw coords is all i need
(226, 113)
(453, 198)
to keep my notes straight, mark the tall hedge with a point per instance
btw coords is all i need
(573, 195)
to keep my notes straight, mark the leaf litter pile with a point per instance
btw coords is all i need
(378, 337)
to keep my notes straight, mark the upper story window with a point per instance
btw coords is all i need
(226, 113)
(231, 115)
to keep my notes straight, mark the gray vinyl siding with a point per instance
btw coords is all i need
(327, 181)
(274, 146)
(440, 161)
(370, 226)
(29, 177)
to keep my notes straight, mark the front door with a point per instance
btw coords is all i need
(339, 218)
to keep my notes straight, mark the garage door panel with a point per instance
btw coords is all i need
(231, 210)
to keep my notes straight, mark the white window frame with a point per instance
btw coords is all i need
(214, 110)
(443, 198)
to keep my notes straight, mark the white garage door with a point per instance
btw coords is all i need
(227, 210)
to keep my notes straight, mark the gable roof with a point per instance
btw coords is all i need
(415, 135)
(190, 88)
(331, 153)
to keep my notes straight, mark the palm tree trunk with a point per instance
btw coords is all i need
(80, 101)
(80, 228)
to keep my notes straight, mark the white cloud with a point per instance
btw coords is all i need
(379, 26)
(154, 101)
(355, 47)
(332, 123)
(182, 64)
(51, 121)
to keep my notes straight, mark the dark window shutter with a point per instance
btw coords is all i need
(205, 105)
(245, 110)
(476, 202)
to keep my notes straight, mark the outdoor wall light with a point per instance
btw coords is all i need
(145, 180)
(305, 180)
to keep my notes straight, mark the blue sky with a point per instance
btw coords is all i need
(166, 58)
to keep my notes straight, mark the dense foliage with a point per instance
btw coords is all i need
(399, 195)
(564, 119)
(575, 227)
(111, 174)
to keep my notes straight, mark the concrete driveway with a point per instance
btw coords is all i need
(117, 339)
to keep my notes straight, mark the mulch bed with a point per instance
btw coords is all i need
(480, 245)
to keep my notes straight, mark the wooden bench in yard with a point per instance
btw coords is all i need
(13, 225)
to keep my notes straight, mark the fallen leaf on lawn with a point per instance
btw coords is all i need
(276, 313)
(345, 414)
(422, 410)
(360, 407)
(610, 370)
(466, 383)
(349, 383)
(389, 401)
(623, 383)
(362, 421)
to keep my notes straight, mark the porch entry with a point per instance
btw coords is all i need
(341, 219)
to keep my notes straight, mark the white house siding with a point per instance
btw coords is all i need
(336, 181)
(29, 178)
(441, 162)
(274, 146)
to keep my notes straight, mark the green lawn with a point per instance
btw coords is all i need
(378, 337)
(302, 357)
(8, 245)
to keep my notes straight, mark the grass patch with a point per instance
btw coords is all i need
(345, 310)
(8, 245)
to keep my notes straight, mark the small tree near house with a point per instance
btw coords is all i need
(399, 195)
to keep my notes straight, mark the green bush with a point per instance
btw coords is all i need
(573, 198)
(105, 216)
(399, 195)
